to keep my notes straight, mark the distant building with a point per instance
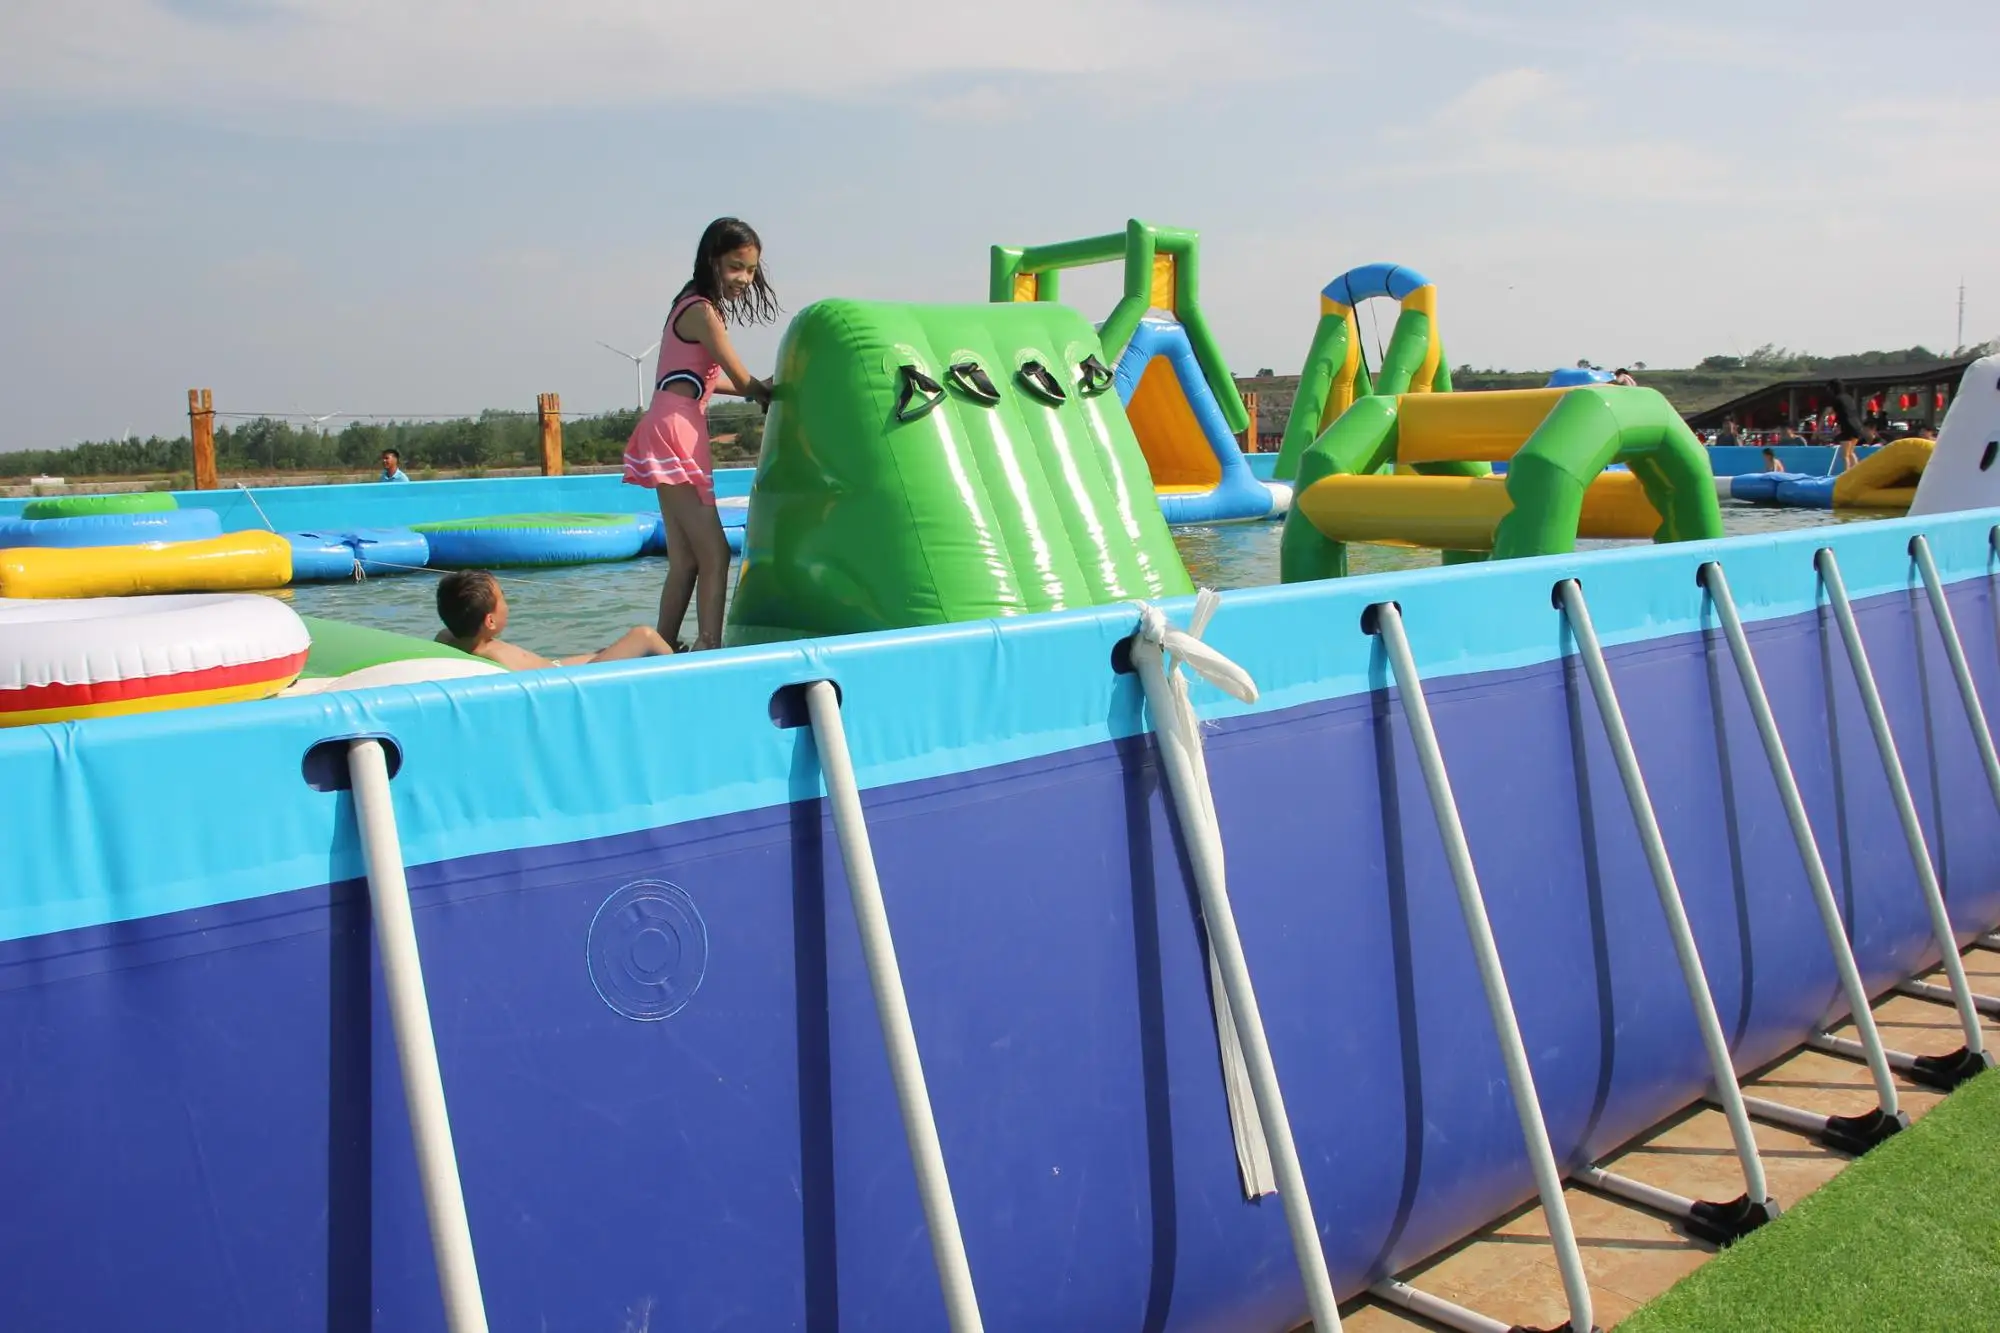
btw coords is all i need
(1916, 393)
(1274, 405)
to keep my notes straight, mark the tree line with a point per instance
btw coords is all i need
(492, 439)
(1784, 361)
(496, 439)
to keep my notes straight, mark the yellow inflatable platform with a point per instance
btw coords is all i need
(1886, 479)
(1463, 513)
(1415, 469)
(234, 562)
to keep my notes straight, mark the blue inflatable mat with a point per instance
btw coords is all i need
(1804, 493)
(1756, 487)
(533, 539)
(169, 525)
(1793, 490)
(734, 511)
(390, 550)
(319, 557)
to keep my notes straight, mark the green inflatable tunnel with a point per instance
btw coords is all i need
(929, 464)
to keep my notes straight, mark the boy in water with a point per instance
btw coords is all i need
(474, 612)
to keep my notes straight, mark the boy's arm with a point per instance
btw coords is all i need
(514, 659)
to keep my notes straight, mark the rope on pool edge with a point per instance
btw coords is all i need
(1176, 647)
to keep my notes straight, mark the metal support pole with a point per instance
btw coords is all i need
(1901, 1061)
(1906, 806)
(1388, 625)
(892, 1008)
(1437, 1309)
(1668, 889)
(1954, 650)
(1717, 586)
(1988, 1005)
(1186, 779)
(416, 1043)
(1634, 1191)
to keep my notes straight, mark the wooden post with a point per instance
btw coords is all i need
(1250, 442)
(201, 431)
(549, 405)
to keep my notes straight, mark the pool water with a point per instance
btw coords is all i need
(580, 608)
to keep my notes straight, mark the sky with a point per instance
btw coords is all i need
(424, 207)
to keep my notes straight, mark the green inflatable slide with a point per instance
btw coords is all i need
(929, 464)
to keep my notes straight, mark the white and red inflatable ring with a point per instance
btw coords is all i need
(62, 659)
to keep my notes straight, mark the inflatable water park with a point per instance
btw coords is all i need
(1001, 932)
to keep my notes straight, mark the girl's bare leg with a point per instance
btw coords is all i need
(701, 528)
(682, 565)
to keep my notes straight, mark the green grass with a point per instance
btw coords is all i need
(1905, 1239)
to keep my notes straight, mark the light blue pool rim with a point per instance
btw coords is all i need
(194, 786)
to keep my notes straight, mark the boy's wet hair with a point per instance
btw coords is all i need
(464, 600)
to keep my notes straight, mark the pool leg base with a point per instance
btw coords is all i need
(1856, 1134)
(1723, 1224)
(1718, 1224)
(1945, 1072)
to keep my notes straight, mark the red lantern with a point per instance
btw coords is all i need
(1937, 400)
(1906, 401)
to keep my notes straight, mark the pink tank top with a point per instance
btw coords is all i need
(684, 362)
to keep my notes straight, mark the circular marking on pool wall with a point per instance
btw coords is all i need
(648, 950)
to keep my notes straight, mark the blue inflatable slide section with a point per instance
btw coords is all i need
(1170, 446)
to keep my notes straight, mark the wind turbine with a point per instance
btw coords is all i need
(638, 365)
(319, 423)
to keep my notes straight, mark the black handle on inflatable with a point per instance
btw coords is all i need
(1036, 379)
(1094, 377)
(972, 381)
(910, 406)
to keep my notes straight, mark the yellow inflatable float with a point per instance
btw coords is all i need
(234, 562)
(1886, 479)
(1462, 513)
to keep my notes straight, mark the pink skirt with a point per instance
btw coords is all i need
(670, 447)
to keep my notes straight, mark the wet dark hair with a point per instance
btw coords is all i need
(759, 305)
(466, 598)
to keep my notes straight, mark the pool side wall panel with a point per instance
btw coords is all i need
(671, 1104)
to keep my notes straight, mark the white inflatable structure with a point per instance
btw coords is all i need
(412, 671)
(1964, 471)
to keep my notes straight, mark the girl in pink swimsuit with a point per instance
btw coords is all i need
(668, 450)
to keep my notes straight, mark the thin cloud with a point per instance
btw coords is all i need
(1524, 123)
(452, 57)
(1720, 42)
(1498, 101)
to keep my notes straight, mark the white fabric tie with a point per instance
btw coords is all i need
(1253, 1152)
